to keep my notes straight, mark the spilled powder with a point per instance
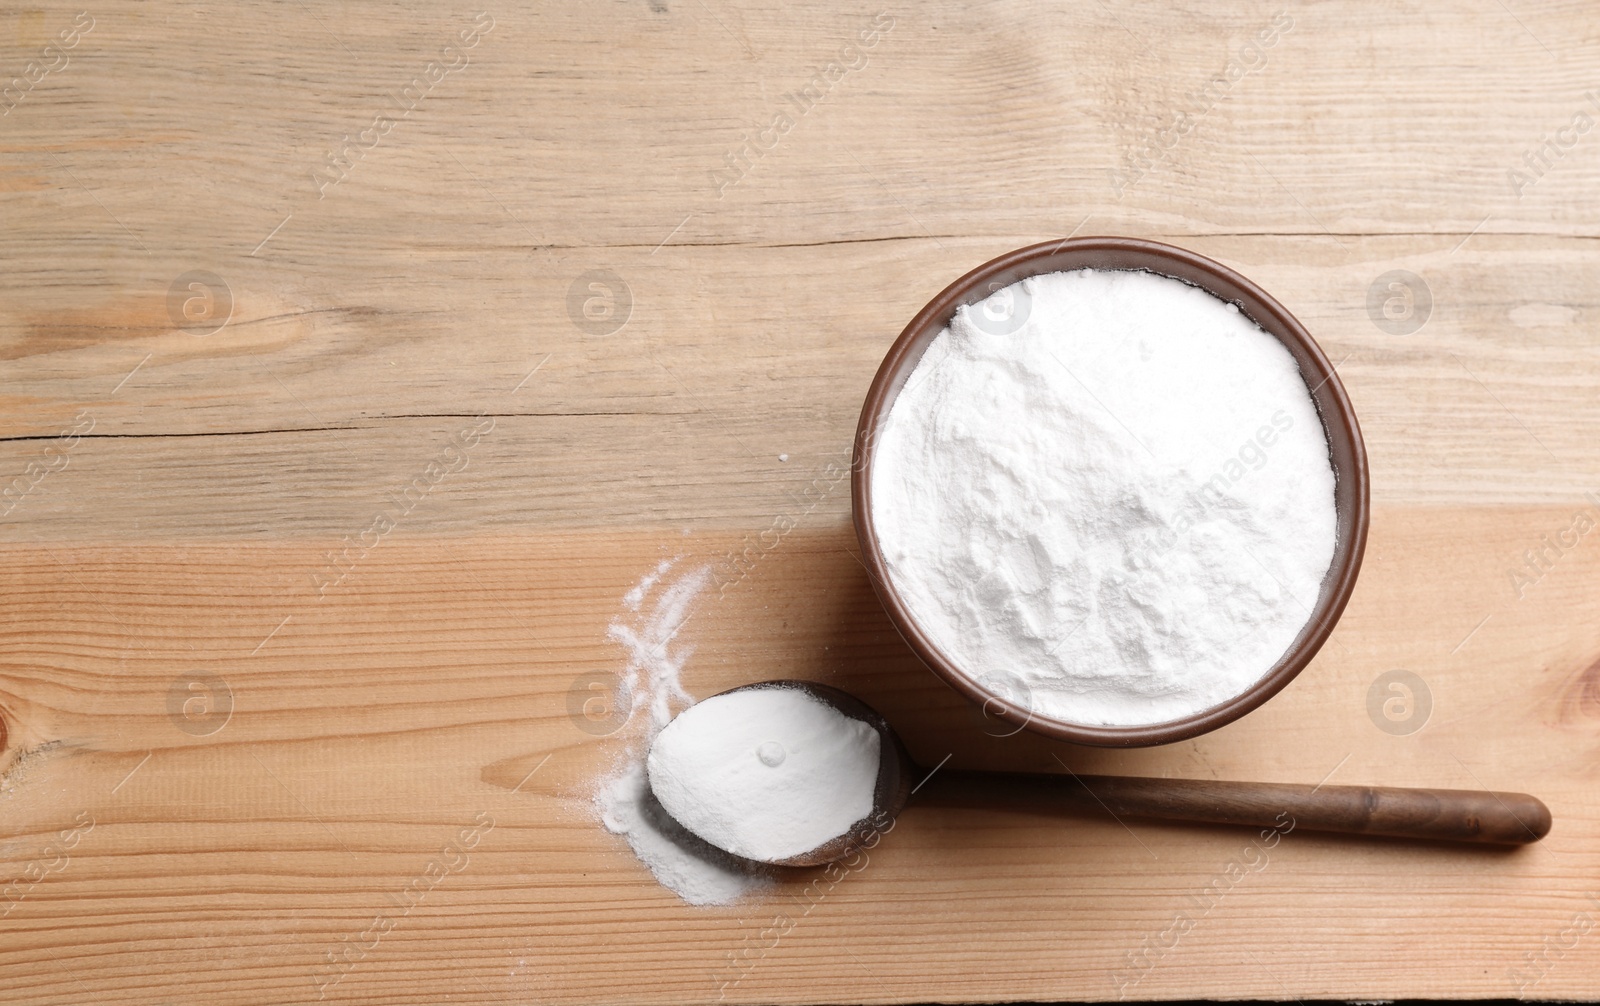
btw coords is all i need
(651, 683)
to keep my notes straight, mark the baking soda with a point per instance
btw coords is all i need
(1108, 492)
(766, 773)
(682, 863)
(652, 685)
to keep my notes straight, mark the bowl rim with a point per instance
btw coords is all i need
(1343, 433)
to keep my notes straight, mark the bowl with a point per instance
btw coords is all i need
(1346, 451)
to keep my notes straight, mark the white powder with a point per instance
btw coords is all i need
(1108, 492)
(696, 872)
(688, 867)
(766, 773)
(633, 598)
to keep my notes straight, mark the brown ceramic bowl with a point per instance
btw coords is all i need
(1348, 455)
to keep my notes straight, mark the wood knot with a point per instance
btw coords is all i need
(1581, 700)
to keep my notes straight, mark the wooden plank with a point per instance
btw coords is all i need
(355, 746)
(730, 358)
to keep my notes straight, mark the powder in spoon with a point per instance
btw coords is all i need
(766, 773)
(1106, 492)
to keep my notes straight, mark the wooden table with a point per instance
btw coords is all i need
(359, 360)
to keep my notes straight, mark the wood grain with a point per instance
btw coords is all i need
(191, 507)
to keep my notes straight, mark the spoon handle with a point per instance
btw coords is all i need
(1439, 814)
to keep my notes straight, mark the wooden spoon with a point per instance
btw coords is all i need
(1433, 814)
